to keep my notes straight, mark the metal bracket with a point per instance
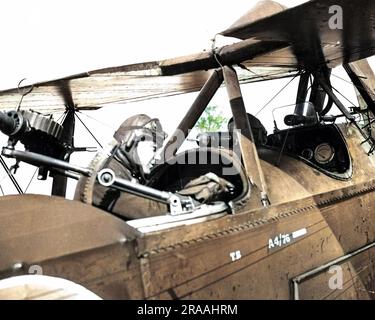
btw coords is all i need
(177, 204)
(327, 88)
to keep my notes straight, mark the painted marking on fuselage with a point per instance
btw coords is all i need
(299, 233)
(284, 239)
(236, 255)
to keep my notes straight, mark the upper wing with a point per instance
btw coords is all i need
(93, 90)
(279, 45)
(119, 85)
(314, 33)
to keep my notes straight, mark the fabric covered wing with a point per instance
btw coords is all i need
(120, 85)
(311, 31)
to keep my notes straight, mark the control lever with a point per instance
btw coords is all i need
(70, 150)
(331, 118)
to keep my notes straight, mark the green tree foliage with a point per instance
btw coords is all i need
(211, 120)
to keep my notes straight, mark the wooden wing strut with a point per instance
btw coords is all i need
(245, 136)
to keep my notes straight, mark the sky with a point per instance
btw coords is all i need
(44, 40)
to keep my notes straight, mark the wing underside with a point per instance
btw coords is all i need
(320, 32)
(273, 47)
(107, 87)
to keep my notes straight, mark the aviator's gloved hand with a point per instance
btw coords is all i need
(207, 188)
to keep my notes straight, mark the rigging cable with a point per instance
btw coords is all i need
(88, 130)
(10, 175)
(283, 147)
(32, 178)
(62, 117)
(353, 104)
(23, 94)
(342, 79)
(98, 121)
(277, 94)
(214, 51)
(368, 138)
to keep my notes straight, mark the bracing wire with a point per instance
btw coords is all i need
(88, 130)
(62, 117)
(277, 94)
(353, 104)
(342, 79)
(98, 121)
(31, 180)
(282, 148)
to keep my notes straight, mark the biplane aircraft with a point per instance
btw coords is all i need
(244, 214)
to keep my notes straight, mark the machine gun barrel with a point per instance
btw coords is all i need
(41, 160)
